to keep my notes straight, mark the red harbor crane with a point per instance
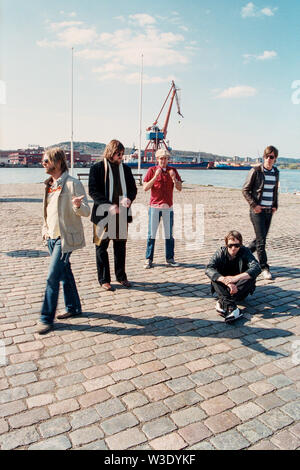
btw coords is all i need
(157, 136)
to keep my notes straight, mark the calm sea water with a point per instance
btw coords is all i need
(289, 179)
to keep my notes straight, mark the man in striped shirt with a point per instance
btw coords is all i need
(261, 192)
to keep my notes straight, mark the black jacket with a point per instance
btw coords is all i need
(99, 191)
(247, 263)
(254, 185)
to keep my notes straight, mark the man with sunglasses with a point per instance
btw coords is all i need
(261, 192)
(161, 179)
(232, 271)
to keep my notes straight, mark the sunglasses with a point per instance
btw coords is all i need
(45, 160)
(235, 245)
(120, 154)
(271, 157)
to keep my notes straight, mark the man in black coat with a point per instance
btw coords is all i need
(112, 188)
(232, 271)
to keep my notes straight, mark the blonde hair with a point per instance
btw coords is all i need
(56, 155)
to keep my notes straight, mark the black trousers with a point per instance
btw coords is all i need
(102, 261)
(261, 224)
(245, 287)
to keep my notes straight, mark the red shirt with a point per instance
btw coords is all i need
(162, 190)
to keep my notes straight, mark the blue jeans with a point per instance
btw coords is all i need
(168, 220)
(59, 270)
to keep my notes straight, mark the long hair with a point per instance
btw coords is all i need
(271, 149)
(114, 146)
(234, 234)
(56, 155)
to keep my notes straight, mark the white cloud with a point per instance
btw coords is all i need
(266, 55)
(251, 10)
(184, 28)
(117, 53)
(142, 19)
(241, 91)
(248, 10)
(73, 14)
(269, 11)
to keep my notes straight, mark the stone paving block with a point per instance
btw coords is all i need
(269, 369)
(183, 399)
(110, 408)
(195, 432)
(40, 400)
(22, 379)
(97, 371)
(150, 379)
(178, 371)
(288, 394)
(53, 427)
(22, 437)
(120, 389)
(119, 423)
(55, 443)
(188, 416)
(180, 384)
(98, 383)
(286, 440)
(126, 439)
(295, 430)
(12, 394)
(201, 446)
(4, 384)
(247, 411)
(97, 445)
(200, 364)
(254, 430)
(158, 427)
(275, 419)
(151, 411)
(152, 366)
(3, 426)
(262, 387)
(71, 379)
(40, 387)
(234, 382)
(12, 408)
(280, 381)
(171, 441)
(65, 406)
(83, 418)
(216, 405)
(85, 435)
(212, 390)
(126, 374)
(269, 401)
(230, 440)
(241, 395)
(135, 399)
(222, 422)
(142, 358)
(263, 445)
(292, 409)
(205, 377)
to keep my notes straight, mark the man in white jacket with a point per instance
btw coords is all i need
(65, 202)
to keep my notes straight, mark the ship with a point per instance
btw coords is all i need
(227, 166)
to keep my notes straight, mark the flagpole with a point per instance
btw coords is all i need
(141, 102)
(72, 129)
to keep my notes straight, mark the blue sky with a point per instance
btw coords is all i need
(235, 62)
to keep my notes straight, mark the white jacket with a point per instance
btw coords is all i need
(69, 217)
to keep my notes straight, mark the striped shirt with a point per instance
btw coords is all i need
(268, 191)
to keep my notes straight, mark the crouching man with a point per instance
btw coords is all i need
(232, 271)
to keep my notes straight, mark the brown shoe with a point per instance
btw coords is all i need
(66, 315)
(44, 329)
(108, 287)
(125, 283)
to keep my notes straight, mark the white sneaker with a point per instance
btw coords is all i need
(148, 264)
(220, 309)
(172, 263)
(267, 275)
(233, 315)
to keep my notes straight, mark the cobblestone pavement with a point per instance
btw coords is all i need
(153, 367)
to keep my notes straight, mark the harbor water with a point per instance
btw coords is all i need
(289, 179)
